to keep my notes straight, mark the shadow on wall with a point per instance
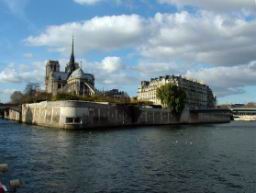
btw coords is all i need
(131, 111)
(29, 116)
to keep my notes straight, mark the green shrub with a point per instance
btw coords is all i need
(93, 98)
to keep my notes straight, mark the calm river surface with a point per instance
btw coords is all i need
(187, 159)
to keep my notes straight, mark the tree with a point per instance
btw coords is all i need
(30, 94)
(17, 97)
(31, 88)
(173, 97)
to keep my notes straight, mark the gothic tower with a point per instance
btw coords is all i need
(51, 67)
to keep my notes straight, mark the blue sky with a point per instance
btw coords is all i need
(125, 41)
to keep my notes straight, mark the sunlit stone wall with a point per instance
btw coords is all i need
(82, 115)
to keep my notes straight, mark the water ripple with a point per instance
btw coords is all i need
(182, 159)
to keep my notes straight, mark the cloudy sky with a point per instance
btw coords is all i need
(125, 41)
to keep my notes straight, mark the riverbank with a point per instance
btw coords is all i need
(85, 115)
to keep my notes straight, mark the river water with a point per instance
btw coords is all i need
(185, 159)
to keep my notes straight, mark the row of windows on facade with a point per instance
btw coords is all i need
(189, 97)
(191, 89)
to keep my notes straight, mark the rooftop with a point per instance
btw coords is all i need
(78, 73)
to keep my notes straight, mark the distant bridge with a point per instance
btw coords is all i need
(244, 114)
(243, 111)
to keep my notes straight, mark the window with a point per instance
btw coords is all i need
(59, 85)
(69, 120)
(73, 120)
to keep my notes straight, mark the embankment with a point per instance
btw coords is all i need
(82, 115)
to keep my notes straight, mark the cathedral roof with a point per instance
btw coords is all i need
(60, 75)
(78, 73)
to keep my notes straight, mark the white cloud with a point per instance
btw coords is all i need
(23, 73)
(204, 45)
(203, 38)
(9, 74)
(215, 5)
(227, 80)
(147, 69)
(110, 71)
(111, 64)
(101, 33)
(87, 2)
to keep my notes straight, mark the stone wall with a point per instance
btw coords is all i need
(12, 114)
(78, 115)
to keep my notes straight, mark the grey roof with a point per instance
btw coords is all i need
(78, 73)
(60, 76)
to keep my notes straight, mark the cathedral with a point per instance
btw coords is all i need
(72, 81)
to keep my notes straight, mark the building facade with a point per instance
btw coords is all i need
(199, 96)
(73, 80)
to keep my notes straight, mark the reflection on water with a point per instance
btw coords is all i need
(212, 158)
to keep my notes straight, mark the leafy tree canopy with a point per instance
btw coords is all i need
(172, 96)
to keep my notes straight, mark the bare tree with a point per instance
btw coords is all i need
(31, 88)
(17, 97)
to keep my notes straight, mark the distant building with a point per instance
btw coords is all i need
(73, 80)
(117, 94)
(199, 96)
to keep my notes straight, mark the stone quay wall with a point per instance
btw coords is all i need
(83, 115)
(12, 114)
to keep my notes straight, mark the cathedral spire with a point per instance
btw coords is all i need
(72, 58)
(72, 65)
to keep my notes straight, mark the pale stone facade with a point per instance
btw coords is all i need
(199, 96)
(73, 80)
